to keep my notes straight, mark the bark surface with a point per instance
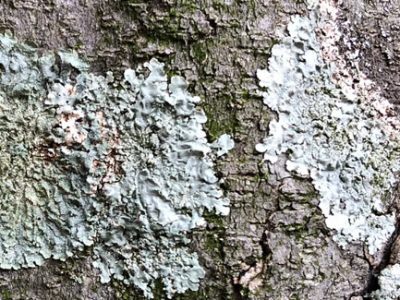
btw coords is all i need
(274, 244)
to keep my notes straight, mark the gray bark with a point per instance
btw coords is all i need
(275, 231)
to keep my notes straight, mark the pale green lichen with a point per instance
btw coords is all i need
(87, 158)
(331, 135)
(39, 219)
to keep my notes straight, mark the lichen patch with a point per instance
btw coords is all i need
(123, 166)
(332, 134)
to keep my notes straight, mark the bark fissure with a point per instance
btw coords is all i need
(376, 267)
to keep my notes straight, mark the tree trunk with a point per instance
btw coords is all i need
(275, 243)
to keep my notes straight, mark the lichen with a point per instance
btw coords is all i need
(389, 284)
(332, 135)
(223, 144)
(124, 166)
(39, 219)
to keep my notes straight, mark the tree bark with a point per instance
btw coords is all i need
(274, 244)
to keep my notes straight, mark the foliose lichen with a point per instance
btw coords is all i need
(389, 284)
(223, 144)
(168, 180)
(45, 209)
(87, 160)
(332, 135)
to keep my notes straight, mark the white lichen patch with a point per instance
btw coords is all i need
(332, 135)
(87, 160)
(223, 144)
(389, 284)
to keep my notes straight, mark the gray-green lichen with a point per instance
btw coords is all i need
(45, 210)
(331, 134)
(88, 160)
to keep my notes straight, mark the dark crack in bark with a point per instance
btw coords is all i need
(376, 267)
(371, 35)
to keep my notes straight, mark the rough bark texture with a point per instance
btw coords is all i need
(275, 244)
(372, 27)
